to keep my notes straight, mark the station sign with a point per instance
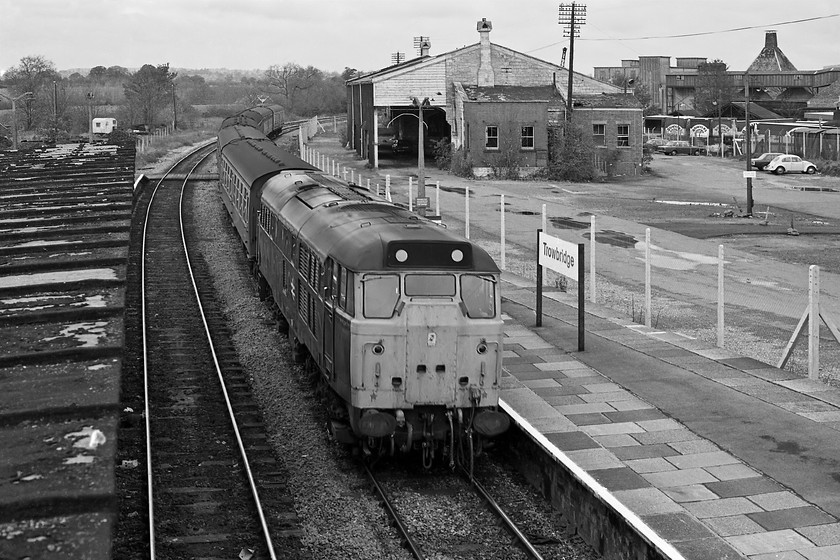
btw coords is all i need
(559, 256)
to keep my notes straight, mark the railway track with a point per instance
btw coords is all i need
(477, 526)
(211, 476)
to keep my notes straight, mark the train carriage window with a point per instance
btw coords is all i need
(479, 296)
(430, 284)
(350, 303)
(380, 295)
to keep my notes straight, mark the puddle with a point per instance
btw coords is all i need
(86, 333)
(569, 223)
(675, 260)
(689, 203)
(615, 238)
(19, 280)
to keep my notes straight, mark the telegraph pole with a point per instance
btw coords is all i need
(748, 144)
(572, 16)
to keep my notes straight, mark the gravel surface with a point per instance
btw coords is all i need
(339, 515)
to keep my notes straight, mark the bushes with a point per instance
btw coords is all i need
(462, 165)
(830, 168)
(571, 154)
(506, 164)
(442, 150)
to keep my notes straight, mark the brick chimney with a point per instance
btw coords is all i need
(486, 78)
(770, 41)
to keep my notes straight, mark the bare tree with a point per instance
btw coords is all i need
(149, 90)
(714, 86)
(35, 74)
(290, 80)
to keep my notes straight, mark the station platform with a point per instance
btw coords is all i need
(707, 454)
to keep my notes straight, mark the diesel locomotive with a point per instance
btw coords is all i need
(400, 316)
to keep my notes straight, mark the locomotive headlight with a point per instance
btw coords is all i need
(378, 349)
(481, 348)
(402, 255)
(457, 255)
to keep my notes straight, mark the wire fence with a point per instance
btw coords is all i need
(750, 307)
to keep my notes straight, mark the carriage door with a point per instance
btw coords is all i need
(330, 297)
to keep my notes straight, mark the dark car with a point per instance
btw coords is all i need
(675, 147)
(761, 161)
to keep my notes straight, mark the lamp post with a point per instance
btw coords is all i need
(14, 101)
(421, 156)
(90, 116)
(748, 143)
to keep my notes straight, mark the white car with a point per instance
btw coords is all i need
(783, 164)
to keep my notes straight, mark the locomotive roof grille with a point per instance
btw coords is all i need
(420, 254)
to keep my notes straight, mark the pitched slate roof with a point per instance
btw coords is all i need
(510, 93)
(606, 100)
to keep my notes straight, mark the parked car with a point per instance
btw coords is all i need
(761, 161)
(784, 163)
(675, 147)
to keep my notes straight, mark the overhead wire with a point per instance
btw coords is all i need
(697, 34)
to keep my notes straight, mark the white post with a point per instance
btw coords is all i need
(503, 230)
(352, 175)
(368, 186)
(388, 188)
(467, 212)
(410, 196)
(720, 323)
(544, 218)
(344, 174)
(814, 322)
(437, 198)
(592, 259)
(647, 277)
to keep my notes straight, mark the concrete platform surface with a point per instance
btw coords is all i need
(711, 454)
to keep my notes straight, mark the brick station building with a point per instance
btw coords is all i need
(493, 102)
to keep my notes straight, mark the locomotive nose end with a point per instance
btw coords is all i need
(377, 424)
(491, 423)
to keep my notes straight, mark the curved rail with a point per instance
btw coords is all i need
(234, 425)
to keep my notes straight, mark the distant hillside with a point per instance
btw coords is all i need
(209, 74)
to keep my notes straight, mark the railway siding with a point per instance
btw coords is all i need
(65, 214)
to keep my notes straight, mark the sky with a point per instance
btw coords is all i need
(363, 34)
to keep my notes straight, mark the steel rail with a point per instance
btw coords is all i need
(509, 524)
(408, 542)
(246, 463)
(239, 440)
(147, 415)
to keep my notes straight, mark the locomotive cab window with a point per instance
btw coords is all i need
(479, 296)
(381, 294)
(430, 285)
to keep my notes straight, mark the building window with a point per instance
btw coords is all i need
(622, 135)
(599, 133)
(491, 137)
(528, 137)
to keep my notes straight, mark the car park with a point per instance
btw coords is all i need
(761, 161)
(790, 163)
(675, 147)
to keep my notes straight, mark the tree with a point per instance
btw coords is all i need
(714, 86)
(148, 91)
(34, 73)
(289, 80)
(97, 73)
(571, 154)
